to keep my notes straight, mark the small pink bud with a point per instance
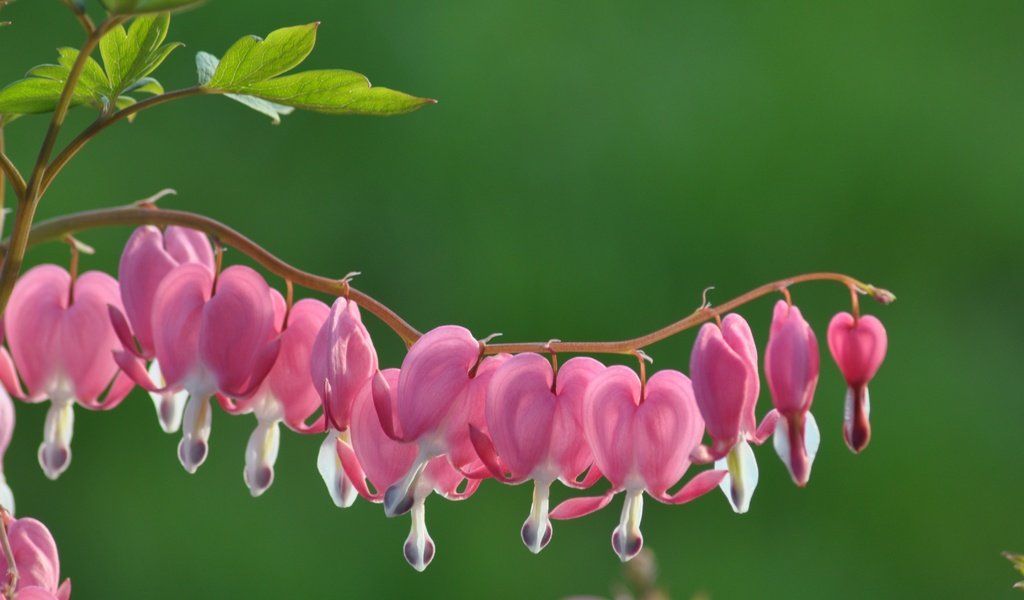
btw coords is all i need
(343, 356)
(858, 347)
(791, 367)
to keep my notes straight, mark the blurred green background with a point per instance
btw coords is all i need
(590, 168)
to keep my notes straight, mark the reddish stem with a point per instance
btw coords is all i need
(59, 227)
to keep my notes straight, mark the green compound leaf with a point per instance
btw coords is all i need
(251, 59)
(336, 92)
(35, 95)
(139, 7)
(251, 73)
(206, 65)
(130, 55)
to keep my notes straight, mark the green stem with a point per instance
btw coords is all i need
(75, 145)
(29, 201)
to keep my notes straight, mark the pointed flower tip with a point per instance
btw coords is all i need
(398, 500)
(536, 534)
(627, 544)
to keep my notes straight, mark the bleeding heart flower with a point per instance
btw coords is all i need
(375, 456)
(287, 394)
(858, 346)
(61, 341)
(642, 437)
(536, 431)
(342, 362)
(35, 555)
(441, 392)
(148, 257)
(207, 342)
(791, 367)
(726, 386)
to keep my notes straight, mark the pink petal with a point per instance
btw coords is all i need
(737, 334)
(35, 554)
(609, 406)
(468, 409)
(434, 373)
(722, 386)
(485, 450)
(520, 411)
(857, 346)
(144, 264)
(667, 428)
(766, 428)
(236, 329)
(177, 314)
(289, 379)
(88, 340)
(578, 507)
(383, 460)
(33, 323)
(383, 404)
(569, 448)
(36, 593)
(188, 245)
(701, 484)
(791, 360)
(343, 355)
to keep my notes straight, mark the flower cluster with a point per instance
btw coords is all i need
(450, 417)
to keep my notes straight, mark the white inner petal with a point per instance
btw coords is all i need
(169, 405)
(55, 451)
(338, 485)
(260, 456)
(195, 437)
(741, 481)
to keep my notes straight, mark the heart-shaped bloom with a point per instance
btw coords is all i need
(791, 367)
(726, 385)
(342, 362)
(373, 455)
(535, 422)
(207, 342)
(441, 392)
(287, 394)
(642, 437)
(35, 556)
(148, 257)
(858, 346)
(61, 341)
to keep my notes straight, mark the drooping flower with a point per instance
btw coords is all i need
(287, 394)
(726, 385)
(342, 362)
(209, 342)
(535, 422)
(642, 437)
(61, 341)
(791, 368)
(375, 456)
(441, 392)
(35, 555)
(858, 346)
(148, 257)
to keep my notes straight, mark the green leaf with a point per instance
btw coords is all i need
(147, 85)
(335, 92)
(91, 84)
(36, 95)
(250, 59)
(132, 54)
(139, 7)
(206, 65)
